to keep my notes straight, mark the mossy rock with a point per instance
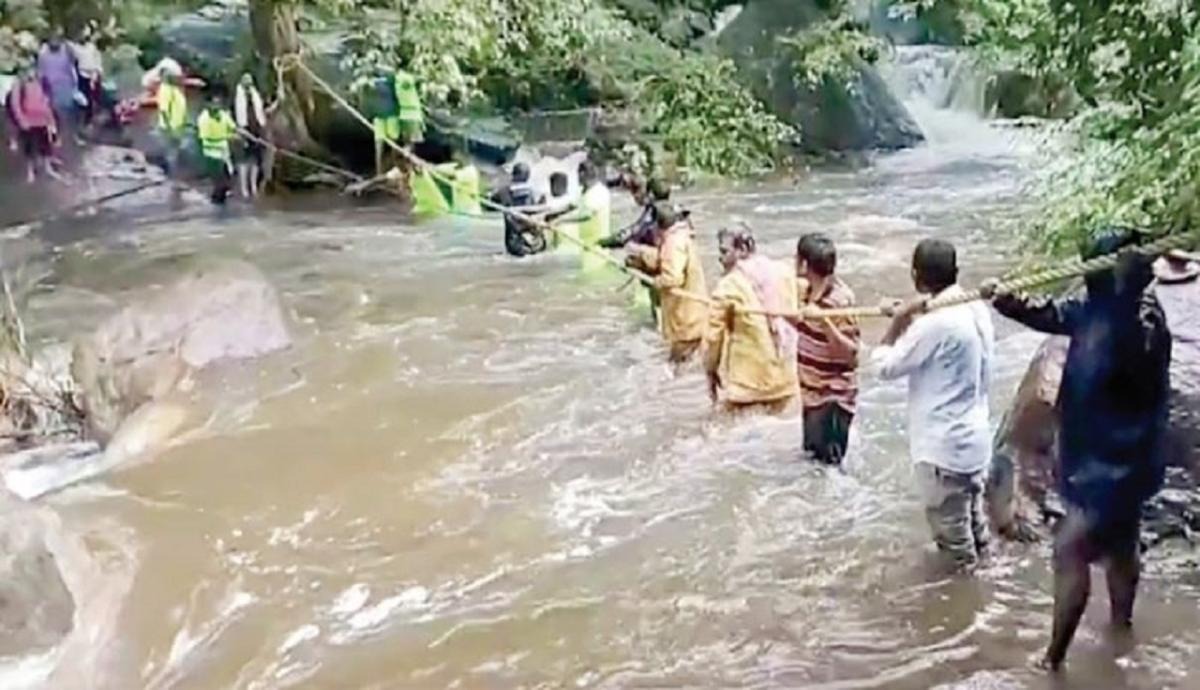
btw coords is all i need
(861, 114)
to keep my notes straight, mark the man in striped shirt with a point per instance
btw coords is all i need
(827, 352)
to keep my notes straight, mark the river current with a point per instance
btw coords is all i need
(477, 472)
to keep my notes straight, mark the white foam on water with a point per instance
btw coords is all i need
(351, 600)
(298, 637)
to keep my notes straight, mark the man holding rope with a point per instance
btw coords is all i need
(1113, 408)
(750, 358)
(827, 352)
(675, 265)
(946, 356)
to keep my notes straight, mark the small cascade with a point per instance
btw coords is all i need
(942, 89)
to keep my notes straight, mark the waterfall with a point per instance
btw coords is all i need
(942, 89)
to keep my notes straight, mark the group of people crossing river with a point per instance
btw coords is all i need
(760, 354)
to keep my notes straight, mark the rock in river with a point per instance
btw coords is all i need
(224, 310)
(832, 116)
(1024, 465)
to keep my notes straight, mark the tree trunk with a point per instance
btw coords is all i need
(294, 124)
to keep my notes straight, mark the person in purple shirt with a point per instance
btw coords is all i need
(56, 67)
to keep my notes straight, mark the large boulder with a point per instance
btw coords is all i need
(1024, 465)
(833, 116)
(223, 310)
(36, 607)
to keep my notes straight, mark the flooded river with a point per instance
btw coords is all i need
(476, 472)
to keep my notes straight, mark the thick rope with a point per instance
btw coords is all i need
(319, 165)
(1072, 268)
(58, 213)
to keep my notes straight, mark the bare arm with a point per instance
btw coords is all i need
(843, 339)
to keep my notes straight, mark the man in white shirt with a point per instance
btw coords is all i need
(946, 355)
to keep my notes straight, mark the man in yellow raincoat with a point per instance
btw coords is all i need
(676, 267)
(750, 358)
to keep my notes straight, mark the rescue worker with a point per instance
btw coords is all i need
(947, 357)
(1111, 443)
(172, 118)
(399, 115)
(675, 265)
(217, 130)
(827, 350)
(521, 238)
(596, 208)
(750, 358)
(642, 230)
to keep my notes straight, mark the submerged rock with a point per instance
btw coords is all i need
(220, 311)
(36, 607)
(860, 115)
(1024, 464)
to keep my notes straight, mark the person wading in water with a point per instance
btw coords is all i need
(217, 130)
(521, 238)
(750, 358)
(675, 265)
(1113, 405)
(946, 356)
(828, 352)
(642, 230)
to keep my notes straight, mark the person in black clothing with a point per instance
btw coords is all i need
(1113, 407)
(645, 229)
(521, 238)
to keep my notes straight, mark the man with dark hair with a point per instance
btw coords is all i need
(642, 230)
(750, 358)
(946, 356)
(1113, 408)
(827, 352)
(521, 238)
(676, 266)
(216, 131)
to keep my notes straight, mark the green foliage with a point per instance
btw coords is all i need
(694, 103)
(830, 50)
(21, 21)
(1136, 147)
(539, 54)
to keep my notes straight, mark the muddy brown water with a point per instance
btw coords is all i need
(475, 472)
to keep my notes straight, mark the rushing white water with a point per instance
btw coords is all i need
(943, 90)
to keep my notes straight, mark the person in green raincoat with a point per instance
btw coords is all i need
(399, 115)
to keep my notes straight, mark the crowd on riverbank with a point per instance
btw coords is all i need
(63, 101)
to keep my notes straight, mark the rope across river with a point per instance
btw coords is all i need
(1065, 271)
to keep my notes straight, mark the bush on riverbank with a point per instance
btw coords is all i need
(1135, 144)
(551, 54)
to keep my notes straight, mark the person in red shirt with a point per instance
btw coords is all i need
(31, 108)
(827, 352)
